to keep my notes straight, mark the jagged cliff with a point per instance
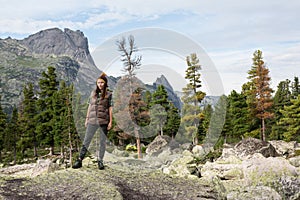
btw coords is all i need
(22, 61)
(172, 96)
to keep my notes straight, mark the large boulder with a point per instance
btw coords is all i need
(44, 166)
(254, 193)
(259, 169)
(183, 166)
(295, 161)
(158, 144)
(251, 146)
(251, 166)
(285, 149)
(225, 171)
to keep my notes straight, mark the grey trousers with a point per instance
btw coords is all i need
(90, 132)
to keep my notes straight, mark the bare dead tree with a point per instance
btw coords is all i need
(130, 61)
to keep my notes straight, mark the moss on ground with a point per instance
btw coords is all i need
(111, 183)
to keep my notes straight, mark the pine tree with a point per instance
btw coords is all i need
(12, 133)
(252, 120)
(295, 88)
(139, 114)
(204, 121)
(67, 131)
(216, 124)
(62, 116)
(148, 98)
(261, 91)
(237, 121)
(291, 120)
(161, 106)
(192, 97)
(48, 87)
(281, 98)
(191, 116)
(3, 124)
(173, 121)
(28, 120)
(79, 113)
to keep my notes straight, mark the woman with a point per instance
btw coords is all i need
(99, 115)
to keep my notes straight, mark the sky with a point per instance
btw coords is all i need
(224, 34)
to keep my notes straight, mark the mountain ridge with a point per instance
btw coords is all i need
(23, 61)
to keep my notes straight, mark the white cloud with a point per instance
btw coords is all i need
(230, 30)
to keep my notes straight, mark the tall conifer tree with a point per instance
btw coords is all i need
(261, 93)
(291, 120)
(28, 120)
(173, 121)
(237, 121)
(160, 97)
(12, 135)
(48, 87)
(192, 97)
(3, 124)
(295, 88)
(281, 98)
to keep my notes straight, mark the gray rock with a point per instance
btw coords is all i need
(288, 187)
(295, 161)
(254, 193)
(181, 167)
(286, 149)
(44, 166)
(157, 144)
(261, 170)
(250, 146)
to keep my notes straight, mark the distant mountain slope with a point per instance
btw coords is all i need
(162, 80)
(22, 61)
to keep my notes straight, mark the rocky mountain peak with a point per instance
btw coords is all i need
(162, 80)
(59, 43)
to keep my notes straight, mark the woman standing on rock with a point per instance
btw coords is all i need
(99, 115)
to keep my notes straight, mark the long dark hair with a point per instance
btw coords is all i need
(97, 90)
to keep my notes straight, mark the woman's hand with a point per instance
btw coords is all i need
(86, 122)
(109, 126)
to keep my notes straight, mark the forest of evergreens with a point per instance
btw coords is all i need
(50, 119)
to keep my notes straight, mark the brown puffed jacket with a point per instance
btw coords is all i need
(98, 112)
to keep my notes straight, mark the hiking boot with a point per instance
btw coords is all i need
(77, 164)
(100, 165)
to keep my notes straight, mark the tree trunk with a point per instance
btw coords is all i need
(196, 141)
(51, 153)
(62, 150)
(15, 155)
(138, 142)
(35, 145)
(263, 136)
(35, 151)
(70, 148)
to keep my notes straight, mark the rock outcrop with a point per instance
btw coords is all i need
(252, 169)
(251, 176)
(23, 61)
(57, 42)
(172, 96)
(251, 146)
